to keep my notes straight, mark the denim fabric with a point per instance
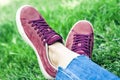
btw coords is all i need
(82, 68)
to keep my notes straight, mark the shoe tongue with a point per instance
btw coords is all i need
(55, 38)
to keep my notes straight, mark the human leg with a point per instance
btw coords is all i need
(76, 67)
(80, 40)
(35, 28)
(82, 68)
(60, 59)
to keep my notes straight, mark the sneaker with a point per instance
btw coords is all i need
(80, 38)
(37, 33)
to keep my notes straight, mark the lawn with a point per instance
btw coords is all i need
(18, 60)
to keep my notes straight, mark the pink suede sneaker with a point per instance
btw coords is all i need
(37, 33)
(80, 38)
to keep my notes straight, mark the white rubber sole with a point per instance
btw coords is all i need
(26, 39)
(74, 26)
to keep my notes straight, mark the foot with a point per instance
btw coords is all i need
(37, 33)
(80, 38)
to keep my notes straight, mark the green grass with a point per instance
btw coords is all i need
(18, 61)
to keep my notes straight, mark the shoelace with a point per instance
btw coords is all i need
(81, 43)
(43, 30)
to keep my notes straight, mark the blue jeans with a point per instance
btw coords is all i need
(82, 68)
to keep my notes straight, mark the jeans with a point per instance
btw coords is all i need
(82, 68)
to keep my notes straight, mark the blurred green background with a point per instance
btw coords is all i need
(18, 61)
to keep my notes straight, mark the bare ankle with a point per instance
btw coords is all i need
(59, 55)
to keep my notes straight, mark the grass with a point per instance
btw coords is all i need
(18, 61)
